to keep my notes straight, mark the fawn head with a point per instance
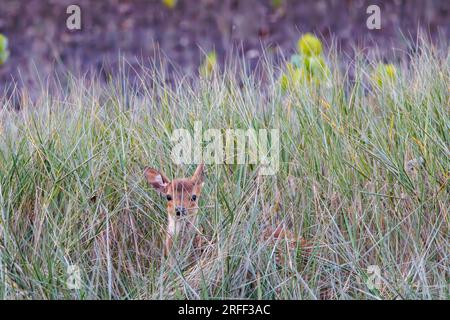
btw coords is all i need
(182, 194)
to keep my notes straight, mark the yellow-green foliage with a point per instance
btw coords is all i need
(4, 52)
(170, 3)
(291, 77)
(308, 65)
(309, 45)
(316, 68)
(209, 64)
(277, 3)
(384, 74)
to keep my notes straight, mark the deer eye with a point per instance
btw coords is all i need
(169, 197)
(194, 197)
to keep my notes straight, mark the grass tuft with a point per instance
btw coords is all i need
(363, 179)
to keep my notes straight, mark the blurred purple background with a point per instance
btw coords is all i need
(38, 35)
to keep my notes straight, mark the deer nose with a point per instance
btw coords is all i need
(180, 211)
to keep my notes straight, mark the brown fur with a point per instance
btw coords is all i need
(179, 193)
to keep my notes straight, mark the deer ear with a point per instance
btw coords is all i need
(156, 179)
(199, 174)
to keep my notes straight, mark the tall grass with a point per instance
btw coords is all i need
(363, 177)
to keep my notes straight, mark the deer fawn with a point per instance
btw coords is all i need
(284, 242)
(182, 204)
